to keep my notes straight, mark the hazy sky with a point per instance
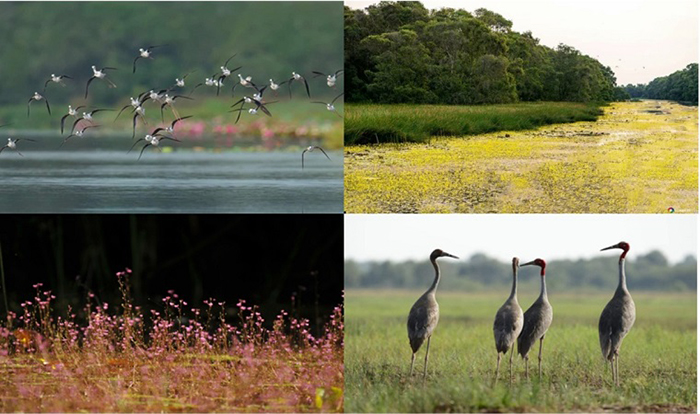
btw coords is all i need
(398, 237)
(638, 39)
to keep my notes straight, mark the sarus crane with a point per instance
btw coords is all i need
(617, 317)
(424, 315)
(536, 320)
(508, 323)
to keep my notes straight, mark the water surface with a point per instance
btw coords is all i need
(179, 182)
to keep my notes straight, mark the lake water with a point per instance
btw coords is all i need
(178, 182)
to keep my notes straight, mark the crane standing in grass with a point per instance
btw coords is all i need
(424, 315)
(617, 317)
(508, 323)
(537, 320)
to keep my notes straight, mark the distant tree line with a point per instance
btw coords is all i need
(651, 272)
(681, 86)
(401, 52)
(271, 40)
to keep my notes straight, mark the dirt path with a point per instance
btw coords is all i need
(640, 157)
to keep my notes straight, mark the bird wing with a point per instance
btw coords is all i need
(339, 72)
(336, 98)
(302, 158)
(237, 102)
(28, 105)
(134, 144)
(88, 85)
(46, 84)
(264, 109)
(172, 125)
(48, 107)
(324, 152)
(65, 76)
(63, 120)
(536, 321)
(421, 323)
(143, 149)
(307, 87)
(137, 58)
(229, 59)
(317, 74)
(1, 149)
(122, 110)
(74, 124)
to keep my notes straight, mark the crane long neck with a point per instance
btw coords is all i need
(514, 289)
(434, 286)
(622, 285)
(543, 288)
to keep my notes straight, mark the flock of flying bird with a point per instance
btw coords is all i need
(166, 98)
(511, 325)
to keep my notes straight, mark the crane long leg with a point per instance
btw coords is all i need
(612, 369)
(527, 375)
(498, 364)
(539, 357)
(413, 360)
(510, 365)
(617, 369)
(425, 367)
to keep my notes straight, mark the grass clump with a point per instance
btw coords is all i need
(371, 124)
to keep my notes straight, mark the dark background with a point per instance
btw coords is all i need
(263, 259)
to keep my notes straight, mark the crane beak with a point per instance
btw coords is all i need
(528, 263)
(449, 255)
(616, 246)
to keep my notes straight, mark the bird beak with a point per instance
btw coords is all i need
(616, 246)
(449, 255)
(528, 263)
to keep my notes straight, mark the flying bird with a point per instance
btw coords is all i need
(99, 74)
(38, 97)
(311, 149)
(144, 54)
(330, 106)
(56, 79)
(298, 78)
(12, 144)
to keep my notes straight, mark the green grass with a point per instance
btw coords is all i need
(367, 124)
(657, 365)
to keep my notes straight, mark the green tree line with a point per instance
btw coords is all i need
(401, 52)
(271, 40)
(681, 86)
(650, 272)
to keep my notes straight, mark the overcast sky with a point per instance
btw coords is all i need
(399, 237)
(638, 39)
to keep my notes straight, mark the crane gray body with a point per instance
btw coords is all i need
(508, 323)
(617, 318)
(424, 315)
(537, 320)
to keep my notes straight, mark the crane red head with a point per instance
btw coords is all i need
(621, 245)
(439, 253)
(516, 263)
(537, 262)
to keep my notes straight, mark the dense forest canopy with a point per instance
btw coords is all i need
(681, 86)
(651, 272)
(272, 39)
(401, 52)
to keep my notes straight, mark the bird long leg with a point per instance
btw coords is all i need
(498, 364)
(612, 369)
(539, 357)
(510, 365)
(527, 374)
(617, 369)
(425, 367)
(413, 360)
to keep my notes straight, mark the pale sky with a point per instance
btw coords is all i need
(400, 237)
(638, 39)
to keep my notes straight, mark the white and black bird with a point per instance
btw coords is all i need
(38, 97)
(259, 106)
(87, 116)
(169, 101)
(171, 129)
(71, 112)
(180, 82)
(330, 79)
(144, 54)
(79, 133)
(298, 78)
(12, 144)
(152, 140)
(99, 74)
(133, 104)
(275, 86)
(312, 148)
(330, 105)
(56, 79)
(139, 111)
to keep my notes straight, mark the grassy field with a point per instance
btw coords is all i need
(657, 363)
(120, 360)
(371, 124)
(640, 157)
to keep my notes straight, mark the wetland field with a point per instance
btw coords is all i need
(657, 361)
(638, 157)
